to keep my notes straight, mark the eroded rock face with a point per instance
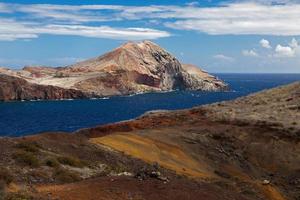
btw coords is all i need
(129, 69)
(13, 88)
(145, 67)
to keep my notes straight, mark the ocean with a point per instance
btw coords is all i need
(32, 117)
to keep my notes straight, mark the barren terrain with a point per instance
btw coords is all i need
(247, 148)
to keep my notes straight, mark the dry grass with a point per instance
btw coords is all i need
(149, 150)
(71, 161)
(29, 147)
(52, 162)
(26, 158)
(65, 176)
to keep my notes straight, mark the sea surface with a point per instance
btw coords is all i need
(32, 117)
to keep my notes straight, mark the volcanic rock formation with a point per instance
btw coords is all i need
(14, 88)
(129, 69)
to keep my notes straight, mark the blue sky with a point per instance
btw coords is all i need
(258, 36)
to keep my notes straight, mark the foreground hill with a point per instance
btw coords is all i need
(131, 68)
(211, 152)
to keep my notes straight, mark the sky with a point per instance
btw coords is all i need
(220, 36)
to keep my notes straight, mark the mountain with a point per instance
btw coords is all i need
(129, 69)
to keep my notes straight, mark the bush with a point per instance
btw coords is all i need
(74, 162)
(26, 158)
(28, 146)
(52, 162)
(65, 176)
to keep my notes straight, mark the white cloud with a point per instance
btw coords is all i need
(292, 49)
(12, 30)
(233, 18)
(239, 19)
(271, 2)
(287, 51)
(294, 43)
(265, 44)
(103, 32)
(284, 51)
(250, 53)
(223, 57)
(68, 20)
(192, 3)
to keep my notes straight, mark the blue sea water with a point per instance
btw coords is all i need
(23, 118)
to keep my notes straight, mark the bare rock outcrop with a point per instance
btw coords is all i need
(13, 89)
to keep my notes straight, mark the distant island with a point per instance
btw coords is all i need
(129, 69)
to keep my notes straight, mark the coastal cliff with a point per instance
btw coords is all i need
(13, 89)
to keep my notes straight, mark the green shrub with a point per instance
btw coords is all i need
(71, 161)
(65, 176)
(26, 158)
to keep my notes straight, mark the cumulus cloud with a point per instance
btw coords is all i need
(250, 53)
(284, 51)
(290, 50)
(265, 44)
(223, 57)
(287, 51)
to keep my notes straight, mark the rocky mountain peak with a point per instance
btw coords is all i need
(141, 45)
